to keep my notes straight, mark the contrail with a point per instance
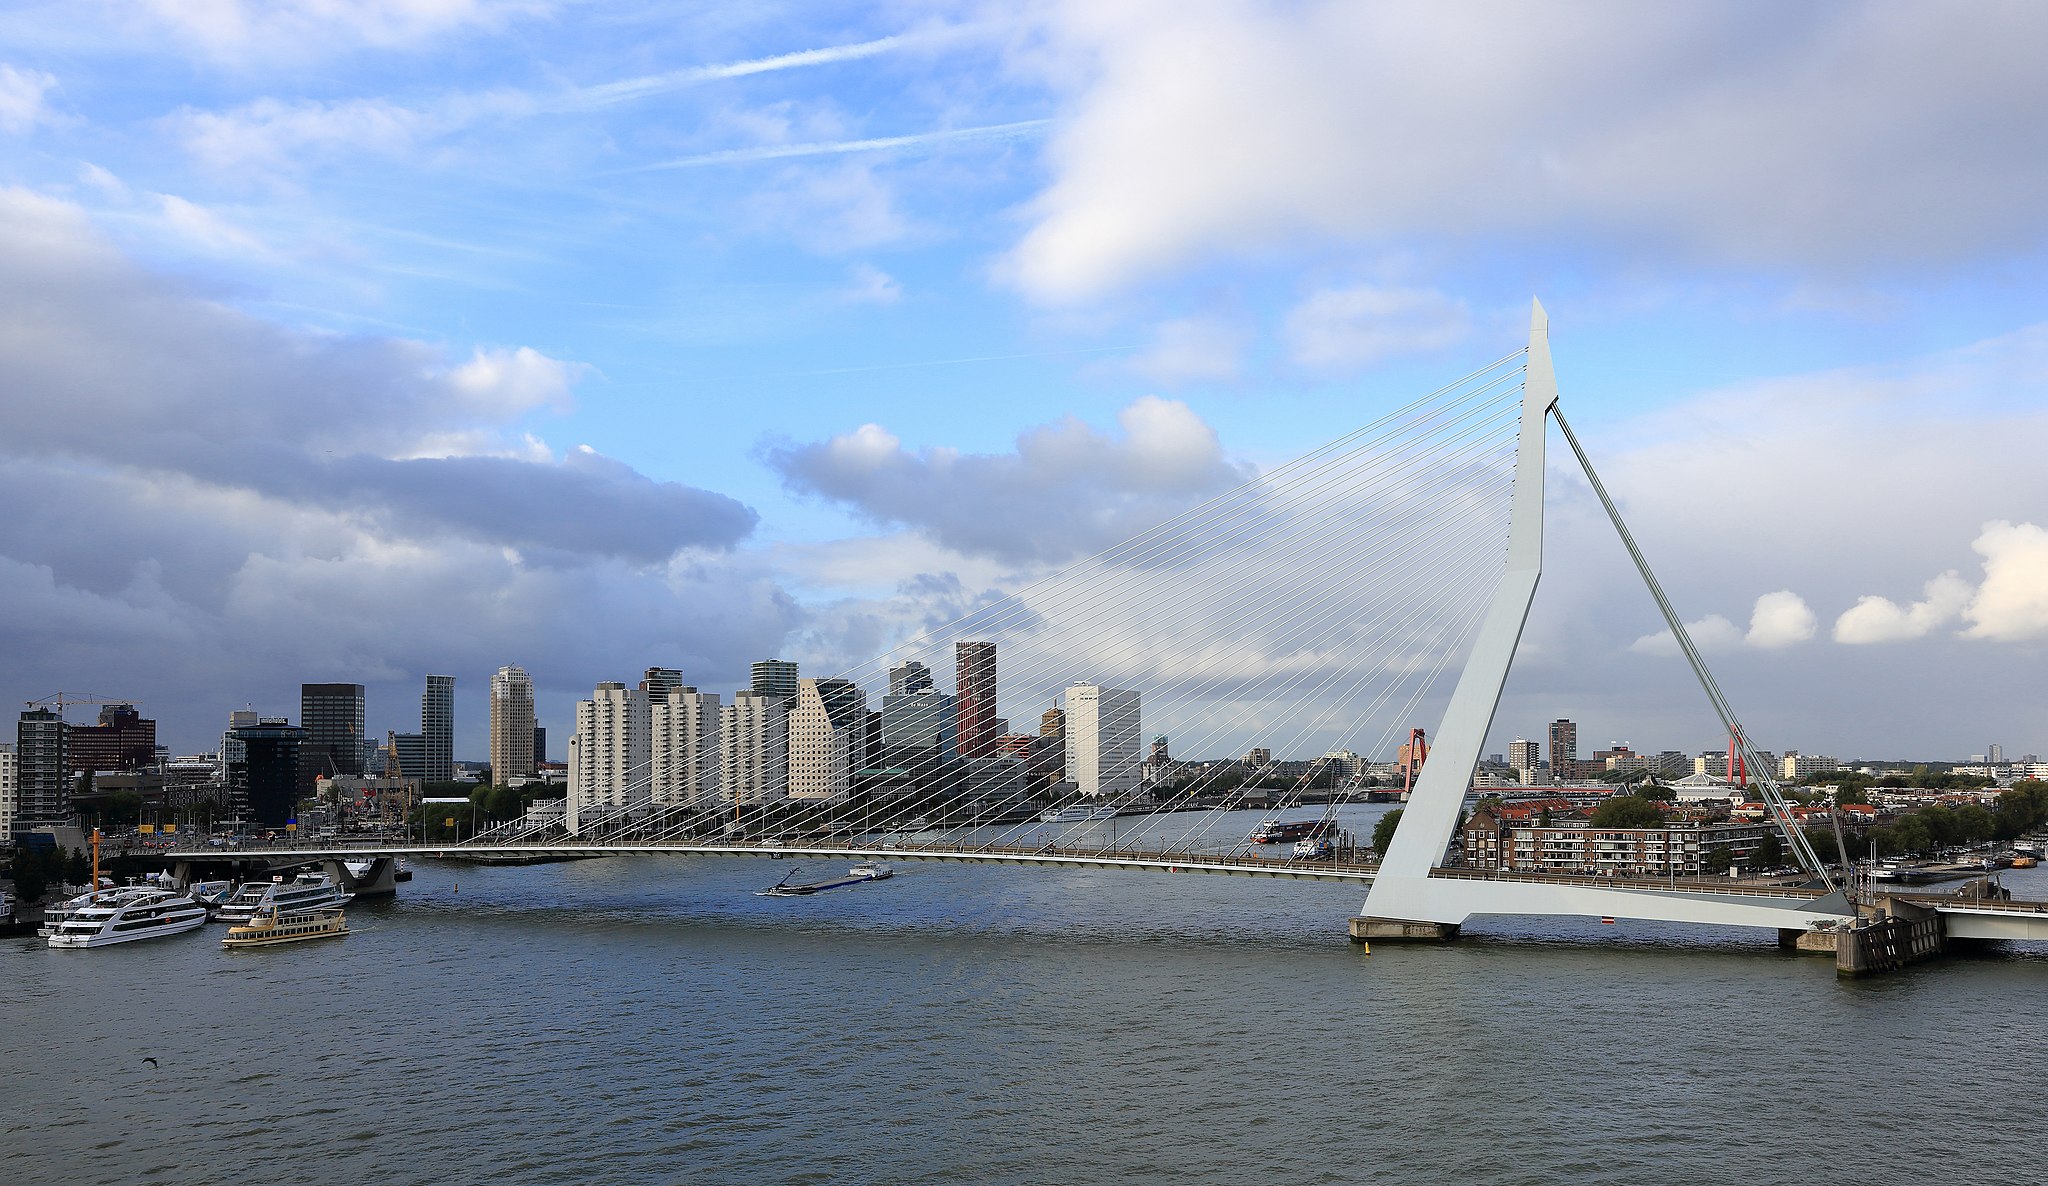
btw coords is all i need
(771, 152)
(633, 88)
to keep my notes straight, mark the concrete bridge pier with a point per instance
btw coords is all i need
(379, 881)
(1401, 930)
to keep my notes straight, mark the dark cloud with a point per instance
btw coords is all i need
(111, 365)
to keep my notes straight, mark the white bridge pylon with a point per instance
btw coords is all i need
(1406, 901)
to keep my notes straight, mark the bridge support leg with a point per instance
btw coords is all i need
(1401, 930)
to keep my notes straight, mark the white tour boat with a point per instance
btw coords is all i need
(307, 891)
(871, 871)
(1077, 814)
(126, 915)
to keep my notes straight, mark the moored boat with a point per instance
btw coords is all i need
(127, 915)
(1077, 814)
(307, 891)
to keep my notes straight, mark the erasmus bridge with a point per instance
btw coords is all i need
(1326, 599)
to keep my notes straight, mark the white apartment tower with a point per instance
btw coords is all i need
(511, 727)
(685, 748)
(1103, 753)
(10, 789)
(608, 757)
(753, 738)
(827, 739)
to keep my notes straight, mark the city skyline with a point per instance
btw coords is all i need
(705, 338)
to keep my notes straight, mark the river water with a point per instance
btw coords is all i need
(652, 1020)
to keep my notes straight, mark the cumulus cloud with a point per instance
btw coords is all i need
(2009, 605)
(21, 97)
(1067, 489)
(1710, 634)
(1880, 619)
(1233, 127)
(2012, 603)
(1340, 329)
(1779, 620)
(870, 285)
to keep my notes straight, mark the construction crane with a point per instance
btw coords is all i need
(63, 700)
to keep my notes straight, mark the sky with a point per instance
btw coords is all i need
(360, 339)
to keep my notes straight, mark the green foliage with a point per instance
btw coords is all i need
(1656, 793)
(78, 867)
(1627, 811)
(1717, 859)
(1770, 851)
(1383, 832)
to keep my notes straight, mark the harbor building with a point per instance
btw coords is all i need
(827, 738)
(685, 748)
(513, 732)
(753, 740)
(1103, 751)
(1575, 848)
(332, 716)
(437, 727)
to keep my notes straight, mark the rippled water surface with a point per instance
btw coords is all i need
(652, 1020)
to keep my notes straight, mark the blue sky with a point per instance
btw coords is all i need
(409, 268)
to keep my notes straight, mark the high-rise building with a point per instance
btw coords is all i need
(412, 755)
(44, 787)
(1525, 756)
(974, 682)
(685, 748)
(1052, 723)
(1103, 747)
(910, 679)
(122, 740)
(658, 682)
(332, 716)
(1258, 756)
(269, 780)
(10, 788)
(1161, 750)
(754, 747)
(774, 677)
(924, 721)
(512, 726)
(827, 737)
(1564, 747)
(540, 745)
(1996, 755)
(437, 726)
(608, 760)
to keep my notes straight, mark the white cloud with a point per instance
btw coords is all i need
(1200, 129)
(1340, 329)
(503, 385)
(1880, 619)
(271, 135)
(1710, 634)
(2012, 603)
(21, 97)
(870, 285)
(1193, 350)
(1779, 620)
